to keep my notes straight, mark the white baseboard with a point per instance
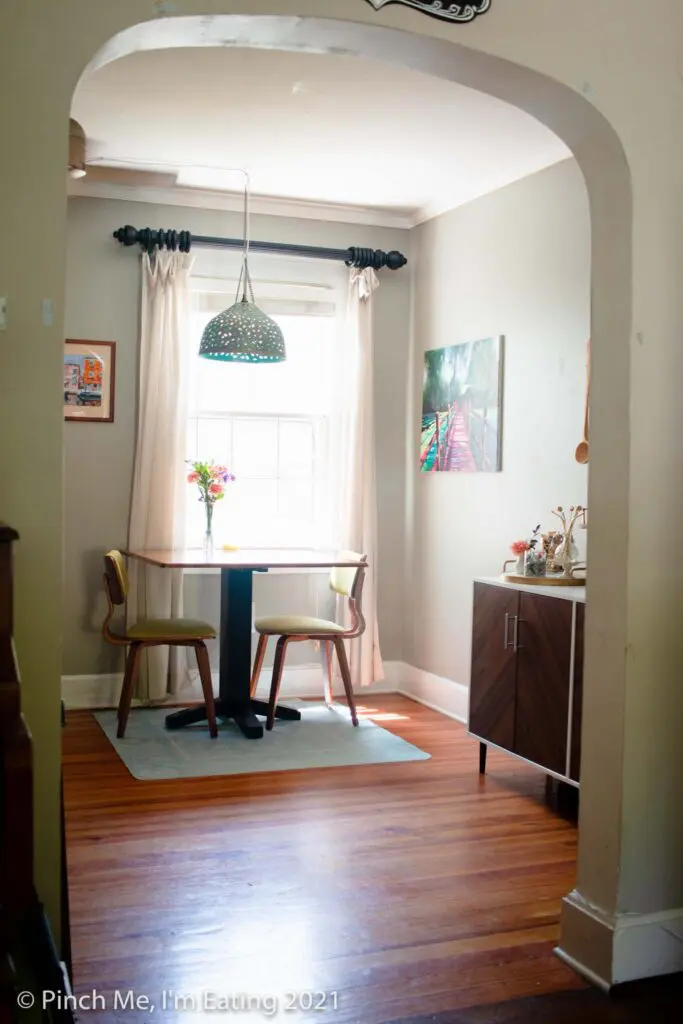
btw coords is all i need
(436, 692)
(622, 947)
(103, 691)
(96, 691)
(582, 969)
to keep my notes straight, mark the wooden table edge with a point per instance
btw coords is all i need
(174, 563)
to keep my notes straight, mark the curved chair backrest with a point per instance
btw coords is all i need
(116, 586)
(348, 582)
(115, 577)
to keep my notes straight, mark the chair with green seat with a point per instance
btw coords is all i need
(344, 580)
(153, 633)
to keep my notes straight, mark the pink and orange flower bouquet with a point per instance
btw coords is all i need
(211, 481)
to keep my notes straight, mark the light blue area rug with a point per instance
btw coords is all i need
(324, 738)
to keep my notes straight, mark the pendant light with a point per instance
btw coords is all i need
(243, 333)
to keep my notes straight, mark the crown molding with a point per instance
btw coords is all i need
(208, 200)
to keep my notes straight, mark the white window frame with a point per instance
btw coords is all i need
(288, 297)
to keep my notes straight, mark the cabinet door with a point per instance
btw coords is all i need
(577, 706)
(543, 661)
(492, 686)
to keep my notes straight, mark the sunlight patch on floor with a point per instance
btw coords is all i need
(376, 715)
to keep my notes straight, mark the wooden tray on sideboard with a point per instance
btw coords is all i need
(544, 581)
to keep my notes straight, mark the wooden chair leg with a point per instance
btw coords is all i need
(278, 665)
(258, 663)
(329, 647)
(204, 667)
(129, 679)
(346, 676)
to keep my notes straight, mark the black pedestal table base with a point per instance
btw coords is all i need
(235, 664)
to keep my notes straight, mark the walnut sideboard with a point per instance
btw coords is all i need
(527, 674)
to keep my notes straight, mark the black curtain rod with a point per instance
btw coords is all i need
(151, 239)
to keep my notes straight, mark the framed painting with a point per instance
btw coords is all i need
(89, 380)
(462, 408)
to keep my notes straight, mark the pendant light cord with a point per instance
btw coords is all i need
(245, 277)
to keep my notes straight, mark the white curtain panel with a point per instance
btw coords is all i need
(357, 494)
(156, 518)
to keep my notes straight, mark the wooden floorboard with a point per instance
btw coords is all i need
(410, 890)
(657, 1001)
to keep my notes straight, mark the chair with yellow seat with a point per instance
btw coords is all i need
(344, 580)
(152, 633)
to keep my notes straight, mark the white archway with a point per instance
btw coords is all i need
(33, 207)
(600, 156)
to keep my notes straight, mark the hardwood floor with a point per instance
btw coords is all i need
(657, 1001)
(413, 891)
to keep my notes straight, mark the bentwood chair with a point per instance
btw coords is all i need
(346, 581)
(153, 633)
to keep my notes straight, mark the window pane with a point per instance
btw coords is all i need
(255, 448)
(296, 499)
(195, 518)
(214, 441)
(191, 439)
(254, 509)
(255, 498)
(296, 448)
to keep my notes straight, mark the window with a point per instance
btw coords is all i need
(269, 424)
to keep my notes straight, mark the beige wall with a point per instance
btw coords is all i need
(102, 303)
(516, 263)
(606, 78)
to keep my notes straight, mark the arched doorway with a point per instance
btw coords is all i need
(600, 156)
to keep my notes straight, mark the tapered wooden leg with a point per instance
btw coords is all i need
(258, 663)
(129, 679)
(328, 678)
(204, 667)
(346, 676)
(278, 665)
(483, 748)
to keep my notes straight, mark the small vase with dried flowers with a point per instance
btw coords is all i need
(518, 548)
(534, 558)
(551, 542)
(567, 554)
(211, 481)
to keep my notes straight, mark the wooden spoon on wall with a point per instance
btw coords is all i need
(581, 453)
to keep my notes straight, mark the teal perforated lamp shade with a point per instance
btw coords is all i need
(243, 334)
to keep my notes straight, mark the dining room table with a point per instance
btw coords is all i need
(237, 568)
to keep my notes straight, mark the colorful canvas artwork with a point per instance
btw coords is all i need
(82, 380)
(89, 380)
(462, 396)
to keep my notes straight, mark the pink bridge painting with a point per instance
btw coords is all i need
(462, 395)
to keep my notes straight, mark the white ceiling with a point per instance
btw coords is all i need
(314, 128)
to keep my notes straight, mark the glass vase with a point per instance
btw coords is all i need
(535, 563)
(208, 531)
(567, 555)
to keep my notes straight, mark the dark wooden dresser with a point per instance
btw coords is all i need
(29, 962)
(527, 674)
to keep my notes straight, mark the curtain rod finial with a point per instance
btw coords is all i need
(375, 258)
(153, 238)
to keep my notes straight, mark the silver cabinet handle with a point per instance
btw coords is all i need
(516, 646)
(507, 643)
